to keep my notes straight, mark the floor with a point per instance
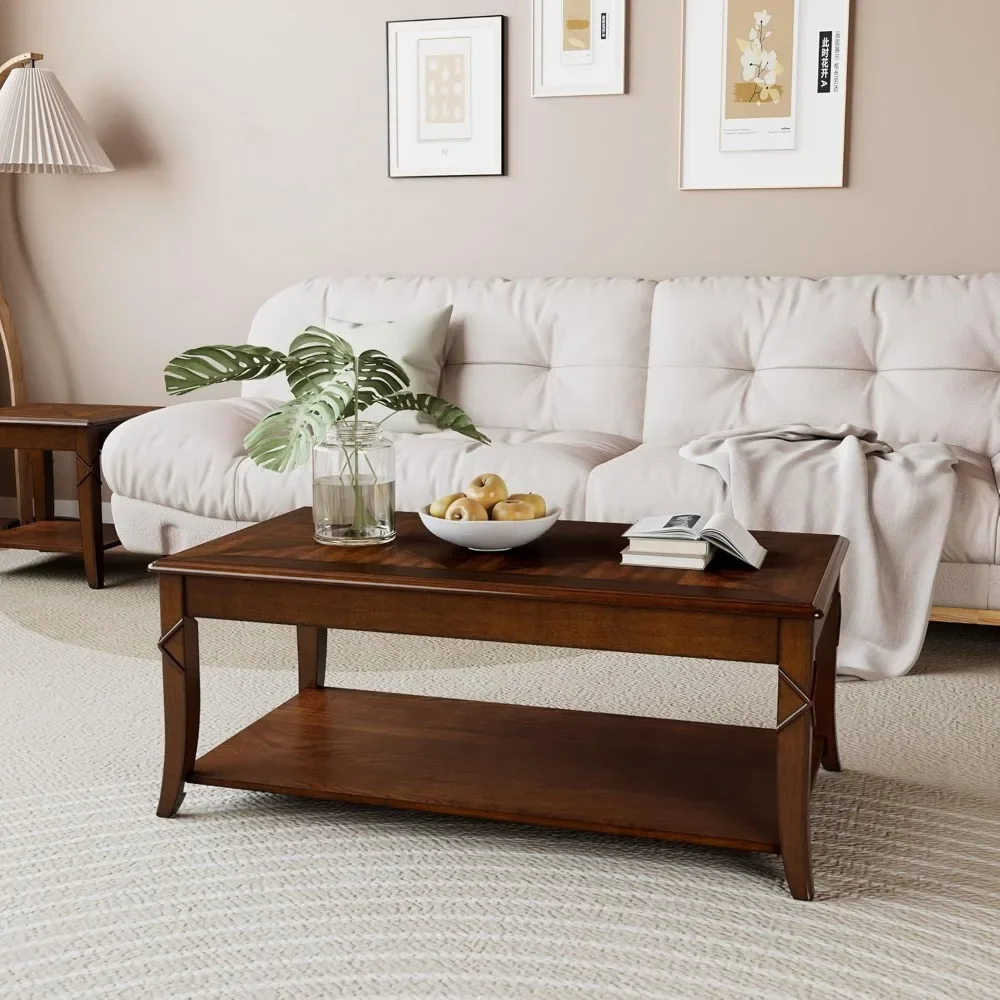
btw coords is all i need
(249, 895)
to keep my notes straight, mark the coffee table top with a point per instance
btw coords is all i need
(70, 414)
(575, 561)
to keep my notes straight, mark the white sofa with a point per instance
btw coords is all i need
(588, 388)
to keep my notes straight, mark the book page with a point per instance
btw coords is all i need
(669, 526)
(726, 532)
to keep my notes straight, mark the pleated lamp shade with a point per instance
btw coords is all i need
(41, 132)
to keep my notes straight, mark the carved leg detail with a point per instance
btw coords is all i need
(794, 764)
(826, 687)
(312, 657)
(181, 695)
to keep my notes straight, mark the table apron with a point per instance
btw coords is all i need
(39, 437)
(489, 618)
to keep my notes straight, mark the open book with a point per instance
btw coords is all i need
(721, 530)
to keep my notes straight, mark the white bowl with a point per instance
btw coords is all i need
(489, 536)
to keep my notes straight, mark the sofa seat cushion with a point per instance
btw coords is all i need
(185, 456)
(191, 457)
(654, 479)
(556, 464)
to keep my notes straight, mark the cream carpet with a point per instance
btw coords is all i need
(248, 895)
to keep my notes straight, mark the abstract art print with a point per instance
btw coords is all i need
(764, 93)
(446, 97)
(578, 35)
(759, 70)
(578, 48)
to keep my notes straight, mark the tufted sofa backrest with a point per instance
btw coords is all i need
(558, 354)
(916, 358)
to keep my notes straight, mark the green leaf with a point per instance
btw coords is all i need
(316, 359)
(446, 415)
(212, 365)
(284, 439)
(379, 375)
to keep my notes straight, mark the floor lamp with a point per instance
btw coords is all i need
(41, 132)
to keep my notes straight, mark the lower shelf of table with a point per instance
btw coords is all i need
(52, 536)
(687, 781)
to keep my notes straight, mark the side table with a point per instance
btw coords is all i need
(41, 429)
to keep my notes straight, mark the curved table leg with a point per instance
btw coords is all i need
(181, 693)
(826, 686)
(795, 739)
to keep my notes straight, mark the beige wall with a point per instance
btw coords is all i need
(251, 140)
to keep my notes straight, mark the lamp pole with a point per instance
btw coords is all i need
(12, 349)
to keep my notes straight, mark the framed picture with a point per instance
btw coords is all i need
(764, 93)
(446, 97)
(578, 47)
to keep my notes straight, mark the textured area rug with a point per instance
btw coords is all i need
(247, 895)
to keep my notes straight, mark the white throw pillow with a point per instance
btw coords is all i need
(418, 344)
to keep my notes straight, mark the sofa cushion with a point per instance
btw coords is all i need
(191, 457)
(916, 358)
(184, 456)
(536, 354)
(556, 464)
(654, 479)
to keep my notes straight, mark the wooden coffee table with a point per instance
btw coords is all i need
(35, 431)
(728, 786)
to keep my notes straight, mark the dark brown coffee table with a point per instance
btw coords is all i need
(35, 431)
(728, 786)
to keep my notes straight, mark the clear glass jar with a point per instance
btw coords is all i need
(354, 486)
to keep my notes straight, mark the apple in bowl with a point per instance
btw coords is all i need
(486, 517)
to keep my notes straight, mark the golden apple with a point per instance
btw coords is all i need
(440, 506)
(533, 500)
(466, 509)
(489, 489)
(513, 510)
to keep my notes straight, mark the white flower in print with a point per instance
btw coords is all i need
(760, 66)
(750, 60)
(767, 68)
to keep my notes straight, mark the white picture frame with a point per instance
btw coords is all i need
(803, 142)
(581, 60)
(445, 94)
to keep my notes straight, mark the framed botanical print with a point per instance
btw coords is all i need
(764, 93)
(578, 47)
(446, 97)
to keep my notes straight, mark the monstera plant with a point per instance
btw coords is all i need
(329, 384)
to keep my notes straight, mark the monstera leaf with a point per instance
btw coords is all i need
(446, 415)
(284, 439)
(379, 375)
(317, 358)
(217, 363)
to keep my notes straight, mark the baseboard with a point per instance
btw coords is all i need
(64, 508)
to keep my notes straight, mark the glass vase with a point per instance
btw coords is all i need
(354, 486)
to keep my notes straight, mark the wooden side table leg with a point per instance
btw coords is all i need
(22, 484)
(88, 466)
(826, 686)
(312, 657)
(794, 764)
(181, 694)
(42, 485)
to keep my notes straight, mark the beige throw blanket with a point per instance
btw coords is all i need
(893, 505)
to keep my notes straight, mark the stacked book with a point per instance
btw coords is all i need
(689, 541)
